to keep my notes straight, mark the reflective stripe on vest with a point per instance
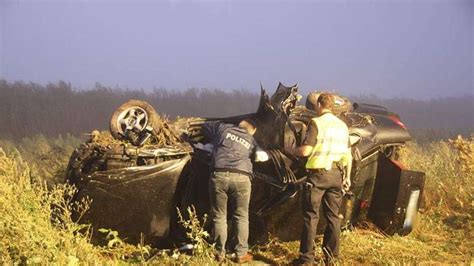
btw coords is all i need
(332, 143)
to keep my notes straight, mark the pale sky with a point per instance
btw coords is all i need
(387, 48)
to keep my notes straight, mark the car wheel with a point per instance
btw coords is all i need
(133, 118)
(341, 104)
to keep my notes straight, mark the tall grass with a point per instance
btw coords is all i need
(444, 229)
(35, 225)
(443, 233)
(449, 189)
(47, 158)
(29, 232)
(35, 215)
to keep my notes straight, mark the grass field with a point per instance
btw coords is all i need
(31, 194)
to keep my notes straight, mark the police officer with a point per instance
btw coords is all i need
(329, 163)
(233, 148)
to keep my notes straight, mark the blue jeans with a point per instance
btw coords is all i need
(234, 188)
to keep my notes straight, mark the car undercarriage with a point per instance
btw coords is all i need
(150, 167)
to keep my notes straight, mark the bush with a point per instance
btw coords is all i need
(35, 225)
(29, 233)
(449, 187)
(443, 233)
(47, 158)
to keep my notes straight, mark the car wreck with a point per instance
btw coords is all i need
(152, 167)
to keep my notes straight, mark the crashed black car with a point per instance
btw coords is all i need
(137, 180)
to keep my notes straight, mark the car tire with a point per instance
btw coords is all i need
(133, 115)
(341, 104)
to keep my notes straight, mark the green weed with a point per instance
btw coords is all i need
(36, 225)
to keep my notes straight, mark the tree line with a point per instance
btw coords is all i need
(28, 109)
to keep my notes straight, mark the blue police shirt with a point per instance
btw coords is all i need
(233, 147)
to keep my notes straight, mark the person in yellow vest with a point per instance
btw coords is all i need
(329, 166)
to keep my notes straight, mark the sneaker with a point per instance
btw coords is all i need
(247, 257)
(186, 247)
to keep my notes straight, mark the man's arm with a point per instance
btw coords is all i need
(209, 129)
(302, 151)
(347, 158)
(346, 181)
(308, 143)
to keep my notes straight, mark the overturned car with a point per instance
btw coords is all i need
(139, 178)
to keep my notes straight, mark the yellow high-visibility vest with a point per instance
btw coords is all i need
(332, 143)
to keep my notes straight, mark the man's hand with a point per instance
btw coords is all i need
(185, 137)
(205, 147)
(301, 151)
(261, 155)
(346, 184)
(346, 181)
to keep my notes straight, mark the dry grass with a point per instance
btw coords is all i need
(36, 225)
(28, 233)
(430, 243)
(449, 188)
(443, 233)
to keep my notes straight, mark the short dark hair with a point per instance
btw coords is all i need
(326, 100)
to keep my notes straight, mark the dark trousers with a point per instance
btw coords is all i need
(322, 186)
(236, 188)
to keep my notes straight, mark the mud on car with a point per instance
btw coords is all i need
(151, 167)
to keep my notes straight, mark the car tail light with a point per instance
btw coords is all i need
(397, 121)
(364, 204)
(399, 164)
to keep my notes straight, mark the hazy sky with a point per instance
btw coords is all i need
(387, 48)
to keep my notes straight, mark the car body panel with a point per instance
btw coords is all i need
(143, 199)
(134, 199)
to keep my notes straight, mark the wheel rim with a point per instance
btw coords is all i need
(133, 118)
